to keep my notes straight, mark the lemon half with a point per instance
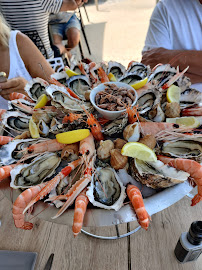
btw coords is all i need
(41, 102)
(111, 77)
(138, 150)
(70, 72)
(139, 84)
(173, 94)
(188, 121)
(72, 136)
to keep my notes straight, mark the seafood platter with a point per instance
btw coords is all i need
(101, 144)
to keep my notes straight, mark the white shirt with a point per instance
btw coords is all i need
(176, 25)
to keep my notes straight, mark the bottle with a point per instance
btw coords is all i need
(189, 246)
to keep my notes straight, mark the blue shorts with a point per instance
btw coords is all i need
(62, 28)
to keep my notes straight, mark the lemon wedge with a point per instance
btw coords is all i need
(111, 77)
(70, 72)
(33, 129)
(173, 94)
(188, 121)
(138, 150)
(41, 102)
(72, 136)
(139, 84)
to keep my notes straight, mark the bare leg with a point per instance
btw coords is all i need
(57, 41)
(73, 37)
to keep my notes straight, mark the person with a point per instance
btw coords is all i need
(20, 60)
(175, 36)
(30, 15)
(65, 25)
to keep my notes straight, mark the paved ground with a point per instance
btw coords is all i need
(118, 30)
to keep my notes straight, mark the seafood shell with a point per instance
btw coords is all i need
(130, 78)
(62, 99)
(14, 105)
(103, 151)
(156, 113)
(16, 121)
(139, 69)
(28, 175)
(117, 160)
(119, 143)
(149, 140)
(79, 84)
(43, 128)
(106, 189)
(116, 69)
(61, 77)
(172, 110)
(116, 126)
(35, 88)
(131, 133)
(156, 174)
(13, 151)
(190, 97)
(184, 148)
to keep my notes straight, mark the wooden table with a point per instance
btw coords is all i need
(143, 250)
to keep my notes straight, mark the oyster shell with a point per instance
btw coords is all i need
(139, 69)
(190, 97)
(16, 106)
(62, 99)
(13, 151)
(79, 84)
(35, 88)
(108, 192)
(184, 148)
(28, 175)
(116, 69)
(130, 78)
(16, 121)
(116, 126)
(156, 174)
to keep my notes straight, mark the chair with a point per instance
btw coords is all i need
(56, 64)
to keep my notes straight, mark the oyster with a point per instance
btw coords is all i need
(79, 84)
(28, 175)
(116, 126)
(190, 97)
(130, 78)
(35, 88)
(13, 151)
(184, 148)
(16, 121)
(62, 99)
(156, 174)
(139, 69)
(61, 77)
(106, 189)
(116, 69)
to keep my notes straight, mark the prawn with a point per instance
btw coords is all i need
(5, 139)
(175, 78)
(102, 75)
(71, 117)
(15, 95)
(196, 111)
(45, 146)
(190, 166)
(2, 111)
(81, 203)
(5, 171)
(135, 197)
(133, 115)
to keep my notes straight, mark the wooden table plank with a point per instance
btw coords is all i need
(82, 252)
(154, 249)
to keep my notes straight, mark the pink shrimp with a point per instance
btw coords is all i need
(175, 78)
(45, 146)
(5, 139)
(81, 67)
(15, 95)
(2, 111)
(5, 171)
(71, 117)
(196, 111)
(190, 166)
(155, 127)
(135, 197)
(81, 203)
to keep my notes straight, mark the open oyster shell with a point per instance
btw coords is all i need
(106, 189)
(35, 88)
(156, 174)
(28, 175)
(79, 84)
(16, 121)
(116, 69)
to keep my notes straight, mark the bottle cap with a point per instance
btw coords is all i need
(194, 235)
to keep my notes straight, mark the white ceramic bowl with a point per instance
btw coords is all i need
(111, 115)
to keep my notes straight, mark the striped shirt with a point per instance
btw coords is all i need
(30, 15)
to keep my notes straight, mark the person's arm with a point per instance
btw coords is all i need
(71, 4)
(31, 57)
(175, 58)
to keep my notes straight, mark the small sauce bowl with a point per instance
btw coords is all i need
(111, 115)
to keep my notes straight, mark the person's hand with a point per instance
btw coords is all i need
(12, 85)
(81, 2)
(156, 56)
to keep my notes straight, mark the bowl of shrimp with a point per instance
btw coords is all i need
(111, 99)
